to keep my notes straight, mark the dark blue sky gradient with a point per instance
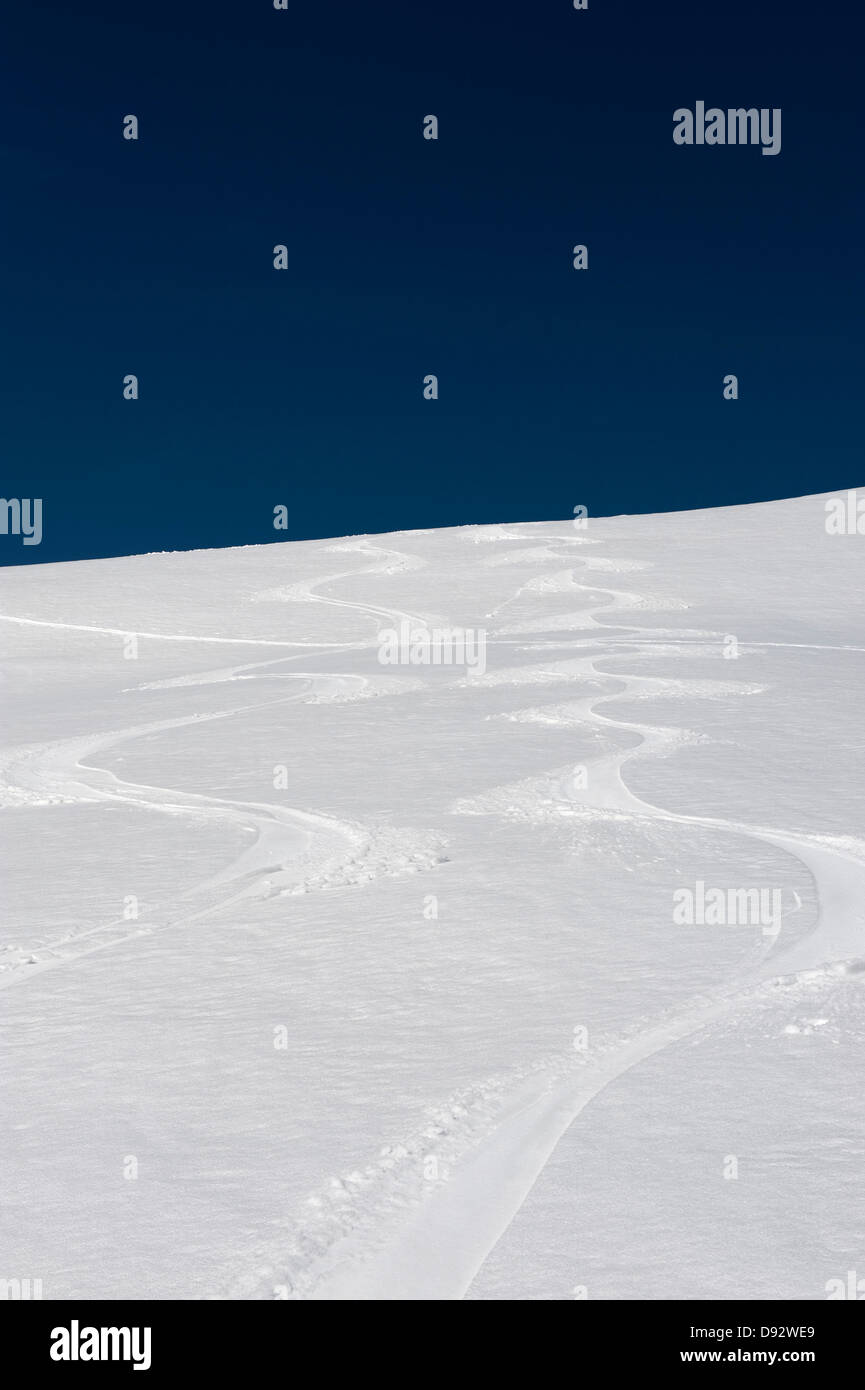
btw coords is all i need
(408, 256)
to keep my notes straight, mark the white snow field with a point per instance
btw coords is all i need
(328, 979)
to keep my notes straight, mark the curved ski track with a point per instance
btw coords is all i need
(431, 1239)
(386, 1233)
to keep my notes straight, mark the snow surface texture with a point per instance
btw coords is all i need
(328, 979)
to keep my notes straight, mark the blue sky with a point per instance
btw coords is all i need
(304, 387)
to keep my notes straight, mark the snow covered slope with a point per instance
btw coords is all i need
(534, 974)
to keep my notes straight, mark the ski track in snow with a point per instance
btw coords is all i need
(334, 853)
(295, 851)
(386, 1235)
(389, 1232)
